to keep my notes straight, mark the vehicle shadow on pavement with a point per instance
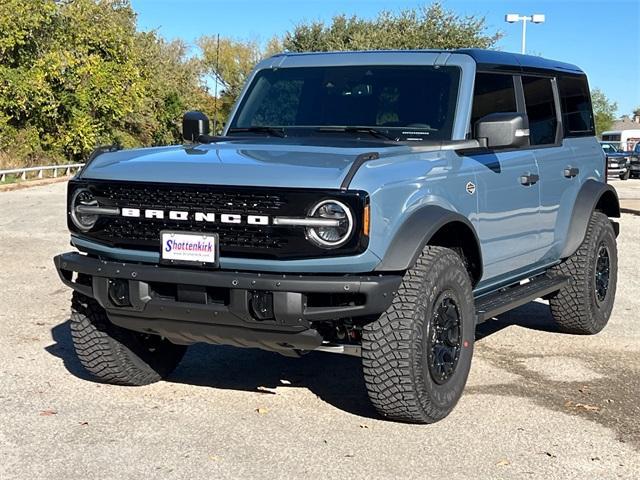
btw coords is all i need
(336, 379)
(533, 316)
(63, 349)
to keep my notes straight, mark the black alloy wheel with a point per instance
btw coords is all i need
(444, 339)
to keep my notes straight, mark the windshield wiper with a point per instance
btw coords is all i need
(375, 132)
(272, 131)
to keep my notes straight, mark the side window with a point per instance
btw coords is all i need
(541, 110)
(611, 137)
(493, 93)
(577, 115)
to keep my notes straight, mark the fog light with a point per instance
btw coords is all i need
(261, 305)
(119, 292)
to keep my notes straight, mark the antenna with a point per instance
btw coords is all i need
(215, 93)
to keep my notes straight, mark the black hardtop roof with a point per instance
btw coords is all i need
(493, 59)
(485, 59)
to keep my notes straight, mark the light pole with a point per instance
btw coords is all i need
(514, 17)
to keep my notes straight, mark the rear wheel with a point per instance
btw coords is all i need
(584, 305)
(416, 357)
(117, 355)
(625, 175)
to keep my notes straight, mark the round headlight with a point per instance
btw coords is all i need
(83, 221)
(338, 228)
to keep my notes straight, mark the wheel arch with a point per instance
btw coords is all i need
(434, 225)
(593, 196)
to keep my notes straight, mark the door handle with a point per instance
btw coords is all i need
(571, 172)
(529, 179)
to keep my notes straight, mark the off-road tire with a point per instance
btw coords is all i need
(395, 352)
(575, 308)
(115, 355)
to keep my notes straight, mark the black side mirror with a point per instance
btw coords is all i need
(194, 125)
(503, 130)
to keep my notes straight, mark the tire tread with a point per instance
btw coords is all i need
(102, 347)
(392, 373)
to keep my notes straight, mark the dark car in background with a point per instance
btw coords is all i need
(634, 162)
(618, 162)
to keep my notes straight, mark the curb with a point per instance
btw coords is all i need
(32, 183)
(630, 211)
(630, 205)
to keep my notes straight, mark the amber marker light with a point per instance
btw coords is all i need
(366, 220)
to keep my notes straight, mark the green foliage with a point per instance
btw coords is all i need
(604, 110)
(76, 73)
(231, 61)
(429, 26)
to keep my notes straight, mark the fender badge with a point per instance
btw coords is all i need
(471, 188)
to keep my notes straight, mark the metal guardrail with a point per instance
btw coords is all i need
(22, 172)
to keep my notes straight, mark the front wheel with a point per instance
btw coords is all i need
(625, 175)
(116, 355)
(416, 357)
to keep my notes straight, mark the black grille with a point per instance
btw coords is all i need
(236, 240)
(143, 232)
(192, 198)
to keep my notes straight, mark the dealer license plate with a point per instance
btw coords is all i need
(189, 248)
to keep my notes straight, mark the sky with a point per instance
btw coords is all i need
(600, 36)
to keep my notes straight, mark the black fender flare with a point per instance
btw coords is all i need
(417, 231)
(592, 195)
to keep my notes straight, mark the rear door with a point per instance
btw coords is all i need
(508, 209)
(562, 162)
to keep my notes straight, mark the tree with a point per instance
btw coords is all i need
(429, 26)
(77, 73)
(230, 61)
(604, 110)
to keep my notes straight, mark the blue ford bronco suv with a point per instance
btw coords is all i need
(377, 204)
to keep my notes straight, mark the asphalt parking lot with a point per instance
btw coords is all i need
(538, 404)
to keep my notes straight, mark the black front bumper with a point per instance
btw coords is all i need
(192, 305)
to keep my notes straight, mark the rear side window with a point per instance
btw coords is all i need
(493, 93)
(577, 115)
(541, 110)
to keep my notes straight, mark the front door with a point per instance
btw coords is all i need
(508, 213)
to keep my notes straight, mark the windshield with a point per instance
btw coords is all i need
(404, 102)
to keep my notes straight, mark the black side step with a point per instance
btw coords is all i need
(505, 299)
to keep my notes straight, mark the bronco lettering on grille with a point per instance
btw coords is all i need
(208, 217)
